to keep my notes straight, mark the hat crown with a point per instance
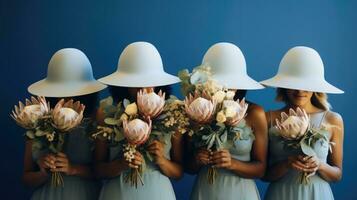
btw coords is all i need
(140, 58)
(302, 62)
(225, 58)
(69, 64)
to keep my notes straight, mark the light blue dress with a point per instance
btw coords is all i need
(227, 184)
(78, 148)
(288, 187)
(156, 186)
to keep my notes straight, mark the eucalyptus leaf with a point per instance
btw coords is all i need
(111, 121)
(306, 149)
(30, 134)
(118, 135)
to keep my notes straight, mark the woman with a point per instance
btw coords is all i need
(301, 84)
(239, 165)
(139, 66)
(65, 80)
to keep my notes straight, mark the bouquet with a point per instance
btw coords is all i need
(137, 124)
(214, 114)
(47, 127)
(296, 133)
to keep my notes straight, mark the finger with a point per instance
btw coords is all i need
(296, 167)
(60, 154)
(300, 164)
(138, 158)
(61, 164)
(133, 166)
(221, 165)
(48, 165)
(49, 160)
(62, 169)
(61, 160)
(136, 162)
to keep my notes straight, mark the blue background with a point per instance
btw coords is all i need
(31, 31)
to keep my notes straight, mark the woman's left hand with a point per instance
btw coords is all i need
(156, 148)
(62, 164)
(221, 159)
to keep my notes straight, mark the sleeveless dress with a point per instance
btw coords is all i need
(78, 147)
(288, 187)
(156, 186)
(227, 184)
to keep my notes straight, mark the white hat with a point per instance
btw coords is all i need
(302, 69)
(228, 67)
(69, 74)
(140, 65)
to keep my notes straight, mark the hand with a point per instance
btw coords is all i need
(136, 162)
(222, 159)
(203, 156)
(156, 148)
(63, 165)
(295, 162)
(46, 162)
(312, 162)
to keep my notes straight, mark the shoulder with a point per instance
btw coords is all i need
(255, 112)
(334, 118)
(255, 109)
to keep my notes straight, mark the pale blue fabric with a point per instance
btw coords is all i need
(228, 185)
(78, 148)
(288, 187)
(156, 186)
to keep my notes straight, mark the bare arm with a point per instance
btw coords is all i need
(103, 167)
(332, 170)
(171, 168)
(255, 168)
(31, 176)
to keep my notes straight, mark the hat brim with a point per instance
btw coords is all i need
(70, 89)
(139, 80)
(235, 81)
(288, 82)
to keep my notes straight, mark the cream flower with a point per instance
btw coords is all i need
(28, 115)
(131, 109)
(219, 96)
(221, 118)
(230, 95)
(67, 115)
(235, 111)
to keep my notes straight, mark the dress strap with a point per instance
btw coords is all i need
(323, 118)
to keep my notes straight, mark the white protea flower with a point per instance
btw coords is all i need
(67, 115)
(199, 109)
(230, 95)
(293, 125)
(136, 131)
(235, 111)
(150, 104)
(27, 115)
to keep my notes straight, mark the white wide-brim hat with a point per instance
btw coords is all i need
(140, 65)
(69, 74)
(228, 67)
(302, 69)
